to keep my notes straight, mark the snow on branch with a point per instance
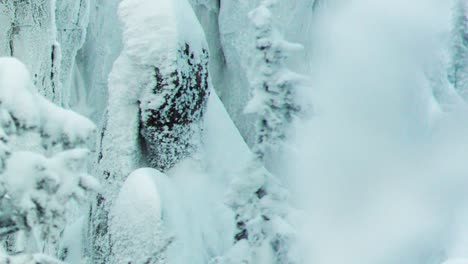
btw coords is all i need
(35, 189)
(274, 86)
(24, 109)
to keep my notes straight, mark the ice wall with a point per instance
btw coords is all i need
(30, 35)
(46, 36)
(94, 61)
(71, 23)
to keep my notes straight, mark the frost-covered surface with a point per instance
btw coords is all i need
(30, 34)
(175, 88)
(172, 110)
(170, 80)
(119, 153)
(158, 90)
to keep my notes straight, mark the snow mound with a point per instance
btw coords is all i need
(171, 23)
(135, 220)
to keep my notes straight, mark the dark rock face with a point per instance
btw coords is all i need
(171, 117)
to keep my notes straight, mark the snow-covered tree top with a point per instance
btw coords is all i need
(28, 110)
(154, 28)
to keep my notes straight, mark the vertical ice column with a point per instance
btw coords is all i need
(71, 22)
(46, 36)
(30, 36)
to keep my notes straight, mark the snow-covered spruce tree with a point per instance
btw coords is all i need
(274, 86)
(158, 90)
(257, 197)
(458, 74)
(35, 188)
